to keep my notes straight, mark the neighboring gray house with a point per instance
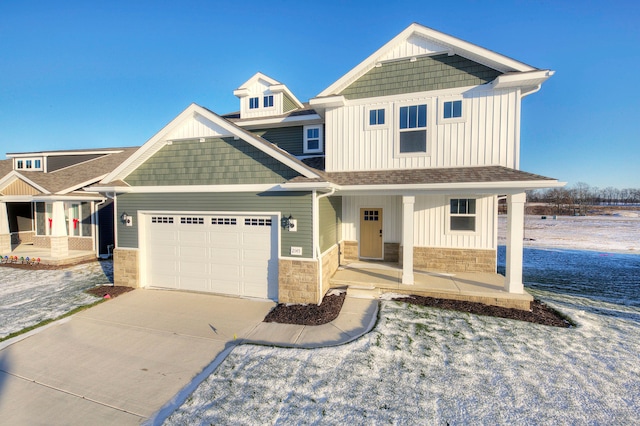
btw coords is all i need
(43, 204)
(402, 159)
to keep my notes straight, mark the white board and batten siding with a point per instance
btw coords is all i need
(430, 221)
(489, 134)
(230, 254)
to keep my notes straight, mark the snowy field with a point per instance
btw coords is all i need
(620, 233)
(28, 297)
(422, 365)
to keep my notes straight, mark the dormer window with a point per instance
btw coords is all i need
(29, 164)
(267, 101)
(254, 103)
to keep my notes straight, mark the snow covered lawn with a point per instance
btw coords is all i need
(28, 297)
(422, 365)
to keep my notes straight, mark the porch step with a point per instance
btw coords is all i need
(363, 292)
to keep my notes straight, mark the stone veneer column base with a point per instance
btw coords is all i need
(330, 263)
(5, 244)
(454, 260)
(59, 246)
(298, 281)
(349, 250)
(125, 268)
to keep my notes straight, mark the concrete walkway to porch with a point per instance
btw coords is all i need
(371, 279)
(32, 252)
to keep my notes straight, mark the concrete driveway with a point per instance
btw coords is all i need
(121, 361)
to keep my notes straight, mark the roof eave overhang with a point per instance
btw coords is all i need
(523, 80)
(501, 188)
(328, 101)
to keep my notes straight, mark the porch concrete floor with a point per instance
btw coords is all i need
(28, 250)
(371, 279)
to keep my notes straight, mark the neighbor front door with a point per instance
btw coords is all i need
(371, 233)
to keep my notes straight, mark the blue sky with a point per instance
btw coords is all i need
(77, 74)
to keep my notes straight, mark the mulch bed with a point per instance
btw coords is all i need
(324, 313)
(111, 290)
(330, 307)
(539, 314)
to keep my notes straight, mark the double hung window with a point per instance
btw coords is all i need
(413, 129)
(462, 214)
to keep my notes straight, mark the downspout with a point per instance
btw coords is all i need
(316, 235)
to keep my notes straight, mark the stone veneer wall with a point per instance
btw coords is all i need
(349, 250)
(453, 260)
(330, 263)
(5, 244)
(298, 281)
(80, 243)
(25, 237)
(391, 252)
(125, 268)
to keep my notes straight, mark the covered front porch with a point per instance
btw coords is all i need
(372, 279)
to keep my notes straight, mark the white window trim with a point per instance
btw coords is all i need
(249, 98)
(264, 95)
(448, 216)
(428, 129)
(305, 148)
(461, 119)
(33, 163)
(368, 126)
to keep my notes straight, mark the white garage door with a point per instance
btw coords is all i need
(218, 253)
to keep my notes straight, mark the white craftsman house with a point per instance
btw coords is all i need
(403, 159)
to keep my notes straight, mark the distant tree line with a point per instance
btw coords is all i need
(579, 196)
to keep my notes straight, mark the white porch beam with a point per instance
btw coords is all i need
(515, 235)
(407, 239)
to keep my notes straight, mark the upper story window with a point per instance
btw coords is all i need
(312, 139)
(267, 101)
(29, 164)
(376, 117)
(452, 109)
(462, 214)
(254, 103)
(413, 129)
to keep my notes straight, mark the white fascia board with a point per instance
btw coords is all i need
(51, 198)
(81, 185)
(13, 176)
(299, 186)
(476, 187)
(328, 101)
(187, 188)
(243, 89)
(259, 122)
(457, 45)
(524, 79)
(61, 153)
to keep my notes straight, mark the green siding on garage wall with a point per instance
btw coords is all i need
(218, 161)
(424, 74)
(330, 222)
(296, 204)
(287, 138)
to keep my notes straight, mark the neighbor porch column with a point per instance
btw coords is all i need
(59, 238)
(515, 236)
(407, 239)
(5, 235)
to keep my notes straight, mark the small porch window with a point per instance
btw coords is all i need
(462, 214)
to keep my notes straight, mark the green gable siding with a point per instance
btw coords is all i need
(296, 204)
(426, 73)
(330, 222)
(288, 104)
(288, 138)
(214, 162)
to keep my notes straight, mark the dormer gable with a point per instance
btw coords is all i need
(262, 96)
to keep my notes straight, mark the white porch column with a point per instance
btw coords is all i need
(59, 238)
(5, 235)
(515, 236)
(407, 239)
